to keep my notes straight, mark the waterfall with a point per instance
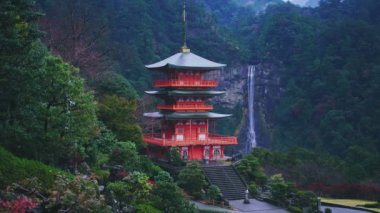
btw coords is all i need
(251, 143)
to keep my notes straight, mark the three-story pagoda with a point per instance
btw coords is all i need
(185, 116)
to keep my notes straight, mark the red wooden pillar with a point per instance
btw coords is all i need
(207, 123)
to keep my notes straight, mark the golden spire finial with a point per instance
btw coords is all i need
(184, 48)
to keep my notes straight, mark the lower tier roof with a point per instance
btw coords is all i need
(185, 92)
(186, 115)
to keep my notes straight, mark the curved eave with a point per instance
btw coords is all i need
(153, 115)
(185, 93)
(185, 61)
(187, 115)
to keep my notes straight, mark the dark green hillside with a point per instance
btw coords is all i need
(123, 36)
(330, 57)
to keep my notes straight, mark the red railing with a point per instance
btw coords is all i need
(212, 139)
(186, 107)
(182, 83)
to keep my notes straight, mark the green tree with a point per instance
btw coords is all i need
(125, 154)
(251, 169)
(279, 189)
(132, 189)
(167, 196)
(213, 193)
(192, 179)
(174, 157)
(111, 83)
(118, 114)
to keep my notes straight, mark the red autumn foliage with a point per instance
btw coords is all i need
(21, 205)
(122, 174)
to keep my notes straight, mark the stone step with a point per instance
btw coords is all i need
(228, 180)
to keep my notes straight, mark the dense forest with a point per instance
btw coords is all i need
(330, 75)
(72, 78)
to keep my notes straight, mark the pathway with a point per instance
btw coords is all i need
(342, 210)
(255, 206)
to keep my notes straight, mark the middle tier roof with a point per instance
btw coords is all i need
(186, 115)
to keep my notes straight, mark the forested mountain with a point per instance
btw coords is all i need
(72, 79)
(328, 60)
(125, 35)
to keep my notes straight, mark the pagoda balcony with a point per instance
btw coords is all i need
(212, 139)
(179, 107)
(183, 83)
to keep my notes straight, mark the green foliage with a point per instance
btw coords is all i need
(77, 195)
(328, 210)
(145, 208)
(132, 189)
(57, 121)
(167, 196)
(14, 169)
(253, 190)
(279, 189)
(66, 113)
(213, 193)
(174, 157)
(328, 65)
(251, 169)
(111, 83)
(125, 154)
(295, 209)
(117, 113)
(148, 167)
(192, 179)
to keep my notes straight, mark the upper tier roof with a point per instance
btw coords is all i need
(185, 60)
(185, 92)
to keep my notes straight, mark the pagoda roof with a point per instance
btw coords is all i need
(186, 61)
(185, 92)
(186, 115)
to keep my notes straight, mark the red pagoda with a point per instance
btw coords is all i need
(184, 115)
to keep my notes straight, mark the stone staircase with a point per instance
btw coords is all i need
(228, 181)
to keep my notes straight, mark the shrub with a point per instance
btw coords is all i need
(21, 204)
(328, 210)
(174, 157)
(295, 209)
(213, 193)
(168, 197)
(146, 208)
(78, 195)
(132, 189)
(14, 169)
(191, 179)
(253, 188)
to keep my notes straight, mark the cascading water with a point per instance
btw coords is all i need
(251, 137)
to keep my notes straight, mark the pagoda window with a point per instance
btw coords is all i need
(179, 135)
(202, 133)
